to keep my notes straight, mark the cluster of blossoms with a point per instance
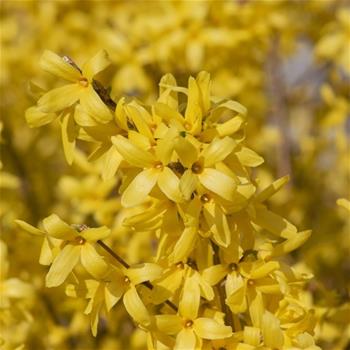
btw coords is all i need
(217, 278)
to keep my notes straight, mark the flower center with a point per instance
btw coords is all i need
(80, 240)
(83, 82)
(233, 267)
(158, 165)
(251, 282)
(187, 126)
(126, 280)
(197, 168)
(188, 324)
(205, 198)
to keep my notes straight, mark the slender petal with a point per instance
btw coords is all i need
(135, 307)
(143, 272)
(218, 150)
(57, 228)
(190, 299)
(139, 188)
(168, 182)
(185, 244)
(186, 151)
(188, 183)
(272, 333)
(274, 223)
(208, 328)
(63, 265)
(92, 261)
(92, 104)
(111, 164)
(169, 324)
(218, 182)
(132, 154)
(69, 134)
(96, 64)
(36, 117)
(29, 228)
(185, 340)
(248, 157)
(94, 234)
(56, 65)
(60, 98)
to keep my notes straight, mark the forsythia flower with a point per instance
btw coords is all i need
(75, 245)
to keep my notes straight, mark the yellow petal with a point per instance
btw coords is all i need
(111, 298)
(29, 228)
(185, 244)
(256, 308)
(214, 274)
(264, 269)
(186, 151)
(143, 272)
(69, 134)
(208, 328)
(139, 188)
(92, 261)
(46, 255)
(135, 307)
(35, 117)
(167, 113)
(57, 228)
(272, 333)
(217, 222)
(96, 64)
(60, 98)
(218, 150)
(94, 106)
(140, 117)
(251, 335)
(270, 190)
(169, 324)
(230, 127)
(291, 244)
(168, 182)
(190, 299)
(203, 82)
(192, 109)
(63, 265)
(218, 182)
(274, 223)
(94, 234)
(188, 183)
(248, 157)
(111, 164)
(185, 340)
(134, 155)
(344, 203)
(168, 96)
(56, 65)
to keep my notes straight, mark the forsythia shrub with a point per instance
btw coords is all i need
(215, 277)
(168, 230)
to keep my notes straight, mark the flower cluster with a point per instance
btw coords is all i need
(216, 278)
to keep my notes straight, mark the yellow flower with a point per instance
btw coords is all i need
(186, 325)
(76, 245)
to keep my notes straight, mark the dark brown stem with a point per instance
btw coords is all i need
(147, 284)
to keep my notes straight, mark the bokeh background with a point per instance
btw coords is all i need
(287, 61)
